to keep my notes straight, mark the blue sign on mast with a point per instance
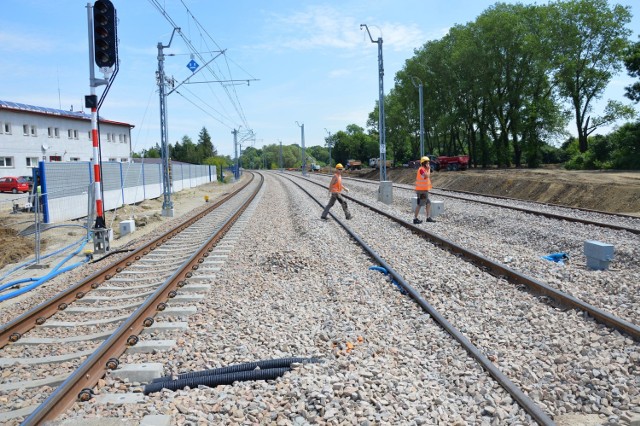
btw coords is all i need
(193, 65)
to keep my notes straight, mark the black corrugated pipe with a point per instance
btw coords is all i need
(217, 379)
(270, 363)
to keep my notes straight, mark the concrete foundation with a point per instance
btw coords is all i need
(437, 206)
(385, 192)
(598, 254)
(127, 227)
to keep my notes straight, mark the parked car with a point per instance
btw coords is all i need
(29, 180)
(13, 184)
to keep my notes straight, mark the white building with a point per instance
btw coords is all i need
(29, 134)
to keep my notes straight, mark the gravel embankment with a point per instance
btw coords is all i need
(297, 286)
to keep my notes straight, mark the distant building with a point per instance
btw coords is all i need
(29, 134)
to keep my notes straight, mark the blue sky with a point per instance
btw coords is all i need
(306, 62)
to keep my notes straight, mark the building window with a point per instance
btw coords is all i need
(112, 159)
(55, 158)
(108, 137)
(6, 162)
(34, 131)
(25, 129)
(89, 135)
(75, 134)
(50, 132)
(74, 159)
(124, 160)
(7, 128)
(56, 132)
(1, 128)
(32, 161)
(70, 133)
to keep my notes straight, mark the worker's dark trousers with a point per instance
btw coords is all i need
(336, 196)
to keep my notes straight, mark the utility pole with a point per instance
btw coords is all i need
(419, 86)
(167, 204)
(236, 173)
(304, 154)
(385, 191)
(329, 144)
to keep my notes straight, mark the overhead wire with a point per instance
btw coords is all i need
(232, 97)
(240, 111)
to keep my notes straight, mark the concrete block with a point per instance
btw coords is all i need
(598, 250)
(151, 346)
(437, 207)
(141, 373)
(119, 398)
(385, 192)
(127, 227)
(597, 264)
(156, 420)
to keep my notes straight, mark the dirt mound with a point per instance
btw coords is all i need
(15, 248)
(616, 192)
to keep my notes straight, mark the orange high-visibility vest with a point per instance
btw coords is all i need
(423, 182)
(337, 186)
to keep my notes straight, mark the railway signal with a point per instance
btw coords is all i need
(104, 34)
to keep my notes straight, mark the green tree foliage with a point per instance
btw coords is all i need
(590, 40)
(625, 144)
(154, 152)
(205, 146)
(632, 63)
(186, 151)
(498, 88)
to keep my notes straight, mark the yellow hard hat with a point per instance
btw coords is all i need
(424, 160)
(339, 166)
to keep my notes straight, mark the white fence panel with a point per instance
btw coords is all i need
(71, 207)
(66, 185)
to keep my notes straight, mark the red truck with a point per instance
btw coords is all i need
(457, 162)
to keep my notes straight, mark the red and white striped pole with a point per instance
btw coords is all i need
(97, 188)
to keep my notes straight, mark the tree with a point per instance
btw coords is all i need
(626, 147)
(205, 145)
(186, 151)
(590, 40)
(153, 152)
(632, 63)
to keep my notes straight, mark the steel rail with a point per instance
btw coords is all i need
(549, 214)
(525, 402)
(80, 382)
(498, 269)
(502, 197)
(15, 329)
(529, 211)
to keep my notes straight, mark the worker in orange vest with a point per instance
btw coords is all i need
(335, 189)
(423, 186)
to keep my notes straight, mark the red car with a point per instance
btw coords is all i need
(13, 184)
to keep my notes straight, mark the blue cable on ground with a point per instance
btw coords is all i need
(559, 258)
(32, 261)
(57, 270)
(384, 271)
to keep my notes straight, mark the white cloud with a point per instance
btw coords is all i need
(13, 42)
(325, 27)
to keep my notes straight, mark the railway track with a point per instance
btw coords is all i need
(617, 221)
(284, 293)
(80, 333)
(543, 292)
(515, 277)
